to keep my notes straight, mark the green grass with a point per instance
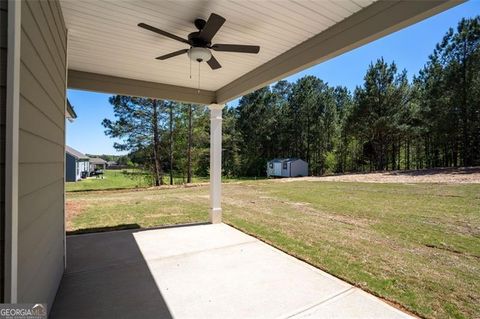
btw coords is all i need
(141, 208)
(417, 245)
(112, 179)
(121, 179)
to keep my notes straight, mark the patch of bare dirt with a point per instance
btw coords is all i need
(462, 175)
(73, 209)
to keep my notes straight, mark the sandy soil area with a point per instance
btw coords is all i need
(439, 175)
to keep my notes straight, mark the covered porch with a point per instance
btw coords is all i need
(200, 271)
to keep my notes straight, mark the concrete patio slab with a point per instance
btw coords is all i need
(352, 304)
(107, 277)
(168, 242)
(202, 271)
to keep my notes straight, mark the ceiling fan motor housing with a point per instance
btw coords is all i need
(197, 41)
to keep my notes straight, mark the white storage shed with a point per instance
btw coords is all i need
(287, 167)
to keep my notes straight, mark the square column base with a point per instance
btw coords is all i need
(215, 215)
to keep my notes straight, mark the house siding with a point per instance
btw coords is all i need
(41, 151)
(3, 107)
(70, 168)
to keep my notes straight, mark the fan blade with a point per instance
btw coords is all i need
(171, 55)
(236, 48)
(164, 33)
(212, 26)
(213, 63)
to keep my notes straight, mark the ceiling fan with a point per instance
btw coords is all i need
(200, 42)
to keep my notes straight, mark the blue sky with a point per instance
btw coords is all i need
(409, 48)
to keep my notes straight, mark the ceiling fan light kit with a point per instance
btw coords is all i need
(199, 54)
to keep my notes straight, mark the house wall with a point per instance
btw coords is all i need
(70, 168)
(41, 151)
(3, 76)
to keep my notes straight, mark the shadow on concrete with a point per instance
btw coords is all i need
(103, 229)
(126, 227)
(107, 277)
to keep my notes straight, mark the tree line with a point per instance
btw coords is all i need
(387, 123)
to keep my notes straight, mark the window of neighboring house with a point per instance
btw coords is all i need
(270, 165)
(285, 165)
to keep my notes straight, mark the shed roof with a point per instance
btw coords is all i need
(73, 152)
(282, 160)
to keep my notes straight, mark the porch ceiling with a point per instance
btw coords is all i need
(109, 53)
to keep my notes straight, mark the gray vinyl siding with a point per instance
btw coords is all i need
(41, 151)
(3, 102)
(70, 168)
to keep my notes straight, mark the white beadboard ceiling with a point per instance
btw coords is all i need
(104, 37)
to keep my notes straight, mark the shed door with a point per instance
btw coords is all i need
(277, 169)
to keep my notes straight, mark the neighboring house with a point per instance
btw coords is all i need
(287, 167)
(75, 163)
(111, 164)
(97, 163)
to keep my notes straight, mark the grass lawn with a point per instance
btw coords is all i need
(415, 244)
(120, 179)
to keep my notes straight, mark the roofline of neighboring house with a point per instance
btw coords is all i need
(98, 160)
(70, 112)
(79, 156)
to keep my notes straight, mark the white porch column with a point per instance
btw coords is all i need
(215, 163)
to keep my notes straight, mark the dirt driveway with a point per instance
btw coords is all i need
(440, 175)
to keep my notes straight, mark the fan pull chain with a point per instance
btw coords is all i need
(190, 68)
(198, 89)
